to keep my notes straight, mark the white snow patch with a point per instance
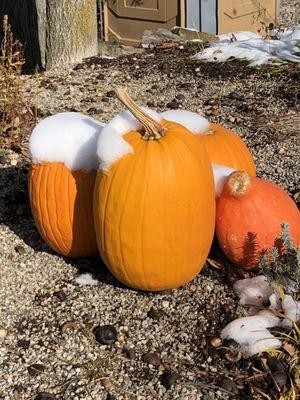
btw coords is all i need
(221, 173)
(290, 33)
(111, 146)
(251, 333)
(86, 279)
(291, 309)
(253, 291)
(254, 48)
(238, 36)
(195, 123)
(69, 138)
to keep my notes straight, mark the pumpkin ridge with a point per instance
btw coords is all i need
(133, 168)
(56, 172)
(105, 210)
(45, 173)
(240, 151)
(188, 147)
(165, 151)
(235, 150)
(179, 159)
(146, 163)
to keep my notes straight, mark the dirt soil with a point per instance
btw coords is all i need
(47, 320)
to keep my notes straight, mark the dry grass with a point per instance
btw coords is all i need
(15, 115)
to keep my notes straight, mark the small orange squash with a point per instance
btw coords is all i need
(154, 207)
(223, 146)
(61, 182)
(250, 212)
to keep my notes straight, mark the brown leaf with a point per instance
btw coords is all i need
(215, 264)
(289, 348)
(215, 342)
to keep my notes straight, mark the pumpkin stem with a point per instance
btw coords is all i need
(152, 130)
(238, 182)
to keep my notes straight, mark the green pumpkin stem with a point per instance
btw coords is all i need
(152, 130)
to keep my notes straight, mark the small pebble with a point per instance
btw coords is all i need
(169, 378)
(3, 333)
(60, 295)
(106, 334)
(155, 314)
(152, 358)
(165, 304)
(20, 249)
(129, 353)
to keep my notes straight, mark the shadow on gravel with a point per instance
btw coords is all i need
(15, 207)
(15, 213)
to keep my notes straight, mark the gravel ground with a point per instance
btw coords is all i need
(289, 12)
(47, 319)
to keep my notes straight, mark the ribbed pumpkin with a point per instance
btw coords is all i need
(154, 208)
(61, 196)
(250, 212)
(223, 146)
(226, 148)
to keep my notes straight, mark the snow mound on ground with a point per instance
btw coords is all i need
(291, 309)
(69, 138)
(221, 173)
(86, 279)
(111, 146)
(290, 33)
(190, 120)
(251, 332)
(253, 291)
(254, 48)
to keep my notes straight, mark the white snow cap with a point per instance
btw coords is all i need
(291, 309)
(251, 332)
(221, 173)
(111, 146)
(69, 138)
(254, 48)
(190, 120)
(86, 279)
(253, 291)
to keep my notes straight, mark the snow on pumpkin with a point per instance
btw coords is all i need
(61, 182)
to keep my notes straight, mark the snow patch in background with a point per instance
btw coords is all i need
(254, 48)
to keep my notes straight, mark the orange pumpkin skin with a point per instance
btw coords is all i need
(62, 206)
(249, 214)
(226, 148)
(154, 211)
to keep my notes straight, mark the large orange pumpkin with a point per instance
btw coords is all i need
(62, 207)
(61, 182)
(250, 212)
(154, 207)
(223, 146)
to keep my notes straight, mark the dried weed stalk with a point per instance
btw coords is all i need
(15, 115)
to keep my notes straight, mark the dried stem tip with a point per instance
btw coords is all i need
(152, 130)
(238, 182)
